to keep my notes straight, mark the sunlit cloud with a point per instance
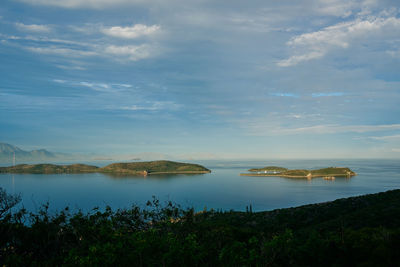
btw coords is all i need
(96, 86)
(135, 31)
(259, 128)
(285, 94)
(130, 52)
(33, 27)
(61, 51)
(294, 60)
(327, 94)
(96, 4)
(387, 138)
(317, 44)
(334, 129)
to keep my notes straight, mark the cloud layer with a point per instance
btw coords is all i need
(262, 77)
(317, 44)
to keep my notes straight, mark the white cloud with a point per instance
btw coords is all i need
(133, 32)
(44, 39)
(66, 52)
(344, 8)
(394, 53)
(130, 52)
(296, 116)
(96, 86)
(59, 81)
(387, 138)
(258, 128)
(102, 87)
(75, 49)
(294, 60)
(153, 106)
(317, 44)
(82, 3)
(33, 27)
(136, 107)
(335, 7)
(65, 67)
(333, 129)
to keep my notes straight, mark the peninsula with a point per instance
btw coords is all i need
(131, 168)
(328, 173)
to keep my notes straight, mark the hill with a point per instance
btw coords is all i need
(133, 168)
(356, 231)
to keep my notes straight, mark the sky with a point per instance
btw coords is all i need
(202, 79)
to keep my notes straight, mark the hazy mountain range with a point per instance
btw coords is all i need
(7, 152)
(42, 155)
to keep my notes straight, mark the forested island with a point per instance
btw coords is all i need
(356, 231)
(131, 168)
(328, 173)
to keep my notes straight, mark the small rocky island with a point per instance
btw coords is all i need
(327, 173)
(131, 168)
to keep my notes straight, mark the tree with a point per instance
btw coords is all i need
(7, 202)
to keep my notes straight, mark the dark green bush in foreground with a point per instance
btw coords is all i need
(360, 231)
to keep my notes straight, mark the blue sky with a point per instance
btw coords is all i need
(202, 79)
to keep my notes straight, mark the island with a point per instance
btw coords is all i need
(129, 168)
(269, 169)
(327, 173)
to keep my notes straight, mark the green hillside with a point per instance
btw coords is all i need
(356, 231)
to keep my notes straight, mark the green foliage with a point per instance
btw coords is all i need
(269, 168)
(49, 168)
(359, 231)
(161, 166)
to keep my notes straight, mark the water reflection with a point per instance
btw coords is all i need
(152, 177)
(305, 180)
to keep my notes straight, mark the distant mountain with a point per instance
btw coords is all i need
(7, 151)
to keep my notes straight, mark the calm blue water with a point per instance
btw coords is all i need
(221, 189)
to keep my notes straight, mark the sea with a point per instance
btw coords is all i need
(222, 189)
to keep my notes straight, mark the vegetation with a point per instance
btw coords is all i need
(357, 231)
(269, 169)
(154, 167)
(49, 168)
(134, 168)
(301, 173)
